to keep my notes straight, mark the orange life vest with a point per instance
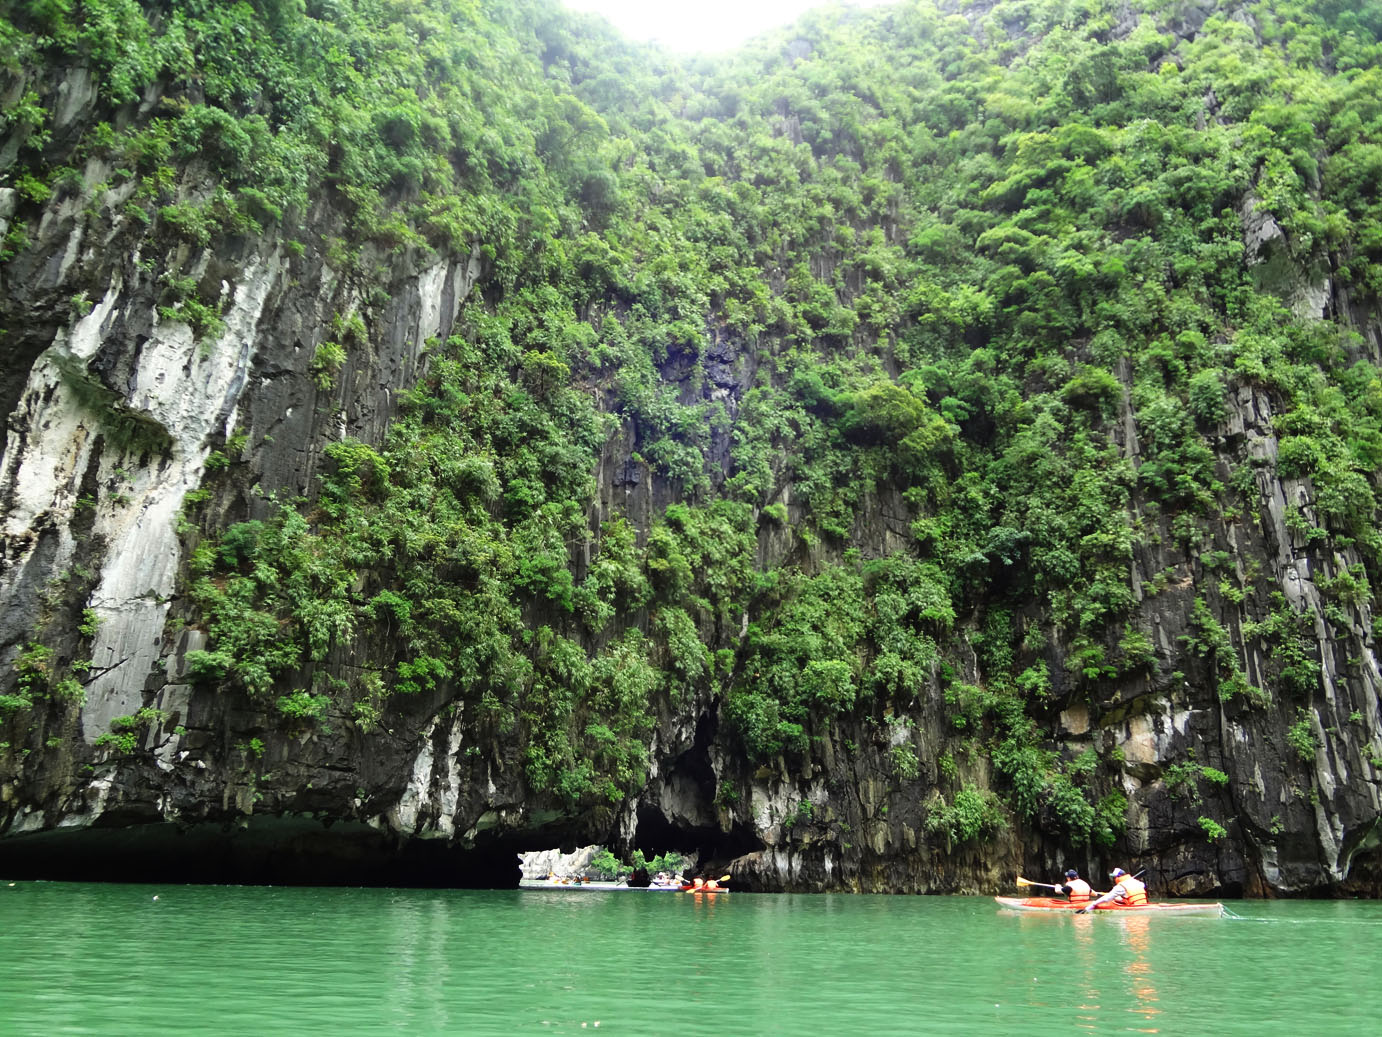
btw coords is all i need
(1079, 890)
(1134, 892)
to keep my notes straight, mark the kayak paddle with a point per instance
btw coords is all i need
(1028, 882)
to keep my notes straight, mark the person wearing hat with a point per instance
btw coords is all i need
(1126, 892)
(1076, 888)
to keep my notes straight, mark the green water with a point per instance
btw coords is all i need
(105, 959)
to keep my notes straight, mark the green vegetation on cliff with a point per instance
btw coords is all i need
(939, 323)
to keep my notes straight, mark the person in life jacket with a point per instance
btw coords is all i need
(1127, 892)
(1076, 888)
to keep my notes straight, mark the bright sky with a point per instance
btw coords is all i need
(703, 26)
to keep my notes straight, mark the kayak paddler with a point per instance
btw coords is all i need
(1126, 892)
(1075, 888)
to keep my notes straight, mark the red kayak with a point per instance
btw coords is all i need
(703, 889)
(1054, 905)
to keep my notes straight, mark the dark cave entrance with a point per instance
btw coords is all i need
(261, 851)
(290, 851)
(706, 844)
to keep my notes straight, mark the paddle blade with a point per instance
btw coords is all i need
(1026, 882)
(723, 878)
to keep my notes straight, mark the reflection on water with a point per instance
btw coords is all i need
(1137, 932)
(1087, 1011)
(228, 960)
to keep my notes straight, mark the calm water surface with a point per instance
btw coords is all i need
(107, 959)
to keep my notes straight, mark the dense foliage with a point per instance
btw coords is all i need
(969, 281)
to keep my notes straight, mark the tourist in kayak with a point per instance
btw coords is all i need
(1075, 888)
(1127, 892)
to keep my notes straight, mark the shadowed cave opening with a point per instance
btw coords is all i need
(303, 852)
(262, 851)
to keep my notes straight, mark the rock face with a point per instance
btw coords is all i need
(114, 412)
(540, 864)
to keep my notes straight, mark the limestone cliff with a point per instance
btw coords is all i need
(1238, 736)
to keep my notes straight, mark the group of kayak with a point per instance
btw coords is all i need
(1075, 895)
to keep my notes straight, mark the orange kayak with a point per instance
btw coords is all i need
(1054, 905)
